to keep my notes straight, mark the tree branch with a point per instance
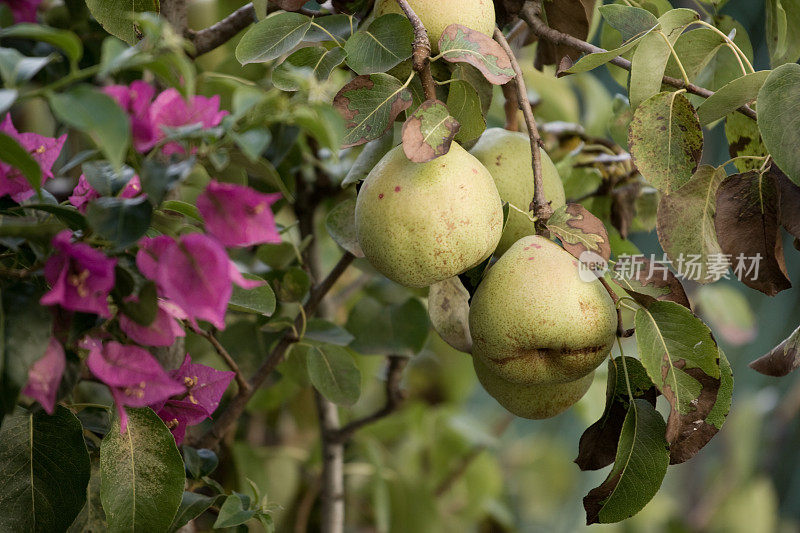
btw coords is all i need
(223, 353)
(176, 12)
(332, 489)
(540, 206)
(227, 419)
(223, 31)
(421, 59)
(530, 14)
(394, 398)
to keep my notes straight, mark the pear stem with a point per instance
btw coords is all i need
(540, 206)
(421, 58)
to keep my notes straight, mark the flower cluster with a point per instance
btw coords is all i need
(192, 273)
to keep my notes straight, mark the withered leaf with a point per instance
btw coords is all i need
(580, 231)
(782, 359)
(461, 44)
(429, 131)
(573, 17)
(648, 281)
(790, 201)
(747, 223)
(598, 444)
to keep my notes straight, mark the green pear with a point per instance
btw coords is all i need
(507, 155)
(532, 401)
(533, 320)
(419, 223)
(436, 15)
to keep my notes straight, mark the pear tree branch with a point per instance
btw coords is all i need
(217, 34)
(530, 14)
(421, 58)
(540, 206)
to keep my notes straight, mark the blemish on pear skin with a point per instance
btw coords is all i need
(533, 245)
(474, 170)
(380, 196)
(397, 189)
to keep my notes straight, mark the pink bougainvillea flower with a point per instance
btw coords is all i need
(80, 276)
(136, 100)
(178, 415)
(85, 193)
(44, 376)
(44, 150)
(134, 376)
(162, 332)
(23, 10)
(171, 110)
(237, 215)
(205, 384)
(194, 273)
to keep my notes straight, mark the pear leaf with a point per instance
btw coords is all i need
(647, 281)
(448, 309)
(782, 359)
(461, 44)
(341, 225)
(428, 132)
(580, 231)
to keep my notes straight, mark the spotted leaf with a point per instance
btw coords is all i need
(428, 132)
(461, 44)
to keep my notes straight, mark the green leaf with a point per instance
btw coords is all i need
(97, 115)
(686, 223)
(639, 468)
(398, 329)
(382, 45)
(372, 153)
(7, 99)
(120, 220)
(459, 44)
(117, 16)
(731, 97)
(192, 506)
(260, 300)
(744, 139)
(323, 331)
(184, 208)
(651, 56)
(105, 179)
(591, 61)
(647, 282)
(25, 329)
(16, 68)
(199, 463)
(234, 512)
(666, 140)
(293, 285)
(369, 105)
(629, 21)
(16, 156)
(272, 37)
(70, 216)
(341, 225)
(779, 126)
(45, 469)
(63, 39)
(142, 474)
(318, 60)
(728, 311)
(331, 28)
(333, 373)
(448, 310)
(323, 123)
(428, 132)
(464, 105)
(783, 37)
(117, 55)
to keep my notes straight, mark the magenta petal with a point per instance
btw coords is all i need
(171, 110)
(195, 275)
(23, 10)
(119, 403)
(242, 281)
(206, 384)
(136, 101)
(44, 150)
(162, 332)
(80, 276)
(237, 215)
(149, 255)
(136, 374)
(45, 375)
(178, 415)
(83, 194)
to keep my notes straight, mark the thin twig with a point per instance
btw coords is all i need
(220, 349)
(306, 505)
(223, 31)
(421, 58)
(226, 420)
(540, 206)
(394, 398)
(455, 474)
(530, 14)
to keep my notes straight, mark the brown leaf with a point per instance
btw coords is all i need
(623, 207)
(459, 44)
(748, 207)
(506, 10)
(289, 5)
(428, 132)
(573, 17)
(647, 282)
(580, 231)
(598, 444)
(790, 201)
(782, 359)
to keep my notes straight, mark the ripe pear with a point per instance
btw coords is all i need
(507, 156)
(419, 223)
(532, 401)
(533, 320)
(436, 15)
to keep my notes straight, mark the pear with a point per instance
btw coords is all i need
(419, 223)
(436, 15)
(533, 320)
(532, 401)
(507, 156)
